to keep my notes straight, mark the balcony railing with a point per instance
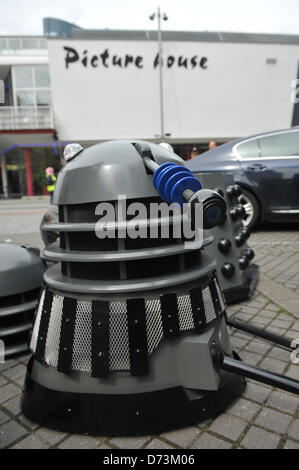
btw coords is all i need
(30, 45)
(26, 117)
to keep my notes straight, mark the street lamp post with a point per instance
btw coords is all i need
(160, 54)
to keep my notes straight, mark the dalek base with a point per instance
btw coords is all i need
(127, 414)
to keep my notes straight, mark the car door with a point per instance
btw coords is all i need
(274, 170)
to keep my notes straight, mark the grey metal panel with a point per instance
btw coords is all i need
(69, 227)
(6, 311)
(55, 253)
(195, 364)
(116, 165)
(20, 269)
(13, 330)
(111, 226)
(55, 279)
(15, 349)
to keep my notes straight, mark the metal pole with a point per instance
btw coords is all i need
(260, 375)
(29, 178)
(160, 74)
(4, 176)
(267, 335)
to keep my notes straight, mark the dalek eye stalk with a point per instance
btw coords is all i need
(130, 334)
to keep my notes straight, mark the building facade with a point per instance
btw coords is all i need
(26, 117)
(88, 86)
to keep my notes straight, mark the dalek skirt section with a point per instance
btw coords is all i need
(102, 336)
(125, 326)
(129, 367)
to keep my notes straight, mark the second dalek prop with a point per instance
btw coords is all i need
(237, 274)
(130, 335)
(21, 275)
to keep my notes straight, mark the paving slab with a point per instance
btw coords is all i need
(79, 442)
(273, 420)
(258, 438)
(281, 295)
(182, 437)
(10, 432)
(208, 441)
(228, 426)
(129, 442)
(31, 442)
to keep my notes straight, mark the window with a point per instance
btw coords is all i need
(23, 77)
(31, 85)
(42, 78)
(13, 44)
(285, 144)
(3, 45)
(249, 149)
(25, 98)
(42, 97)
(43, 43)
(30, 43)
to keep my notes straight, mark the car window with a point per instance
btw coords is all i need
(249, 149)
(285, 144)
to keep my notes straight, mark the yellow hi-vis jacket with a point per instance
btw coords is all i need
(51, 187)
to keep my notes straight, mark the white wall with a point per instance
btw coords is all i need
(236, 95)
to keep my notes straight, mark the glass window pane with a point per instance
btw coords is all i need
(42, 78)
(30, 43)
(23, 76)
(25, 98)
(43, 97)
(43, 43)
(3, 45)
(280, 144)
(13, 44)
(248, 149)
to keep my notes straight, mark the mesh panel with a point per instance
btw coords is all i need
(209, 306)
(37, 322)
(81, 359)
(53, 335)
(185, 313)
(119, 355)
(154, 326)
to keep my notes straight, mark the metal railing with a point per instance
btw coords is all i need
(26, 117)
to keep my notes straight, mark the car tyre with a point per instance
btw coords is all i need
(251, 206)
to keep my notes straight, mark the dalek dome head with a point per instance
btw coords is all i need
(106, 170)
(21, 269)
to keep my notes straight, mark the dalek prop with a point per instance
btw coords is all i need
(237, 274)
(21, 276)
(130, 335)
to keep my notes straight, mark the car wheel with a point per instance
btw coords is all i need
(251, 206)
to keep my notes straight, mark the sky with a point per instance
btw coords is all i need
(264, 16)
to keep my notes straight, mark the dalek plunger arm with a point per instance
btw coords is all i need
(177, 184)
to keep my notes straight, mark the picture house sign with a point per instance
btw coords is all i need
(107, 59)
